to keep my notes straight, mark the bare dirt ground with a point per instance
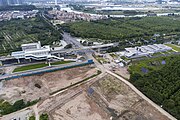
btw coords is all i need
(123, 103)
(33, 87)
(109, 99)
(80, 108)
(102, 98)
(122, 72)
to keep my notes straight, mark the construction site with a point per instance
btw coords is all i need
(45, 70)
(33, 87)
(106, 99)
(103, 97)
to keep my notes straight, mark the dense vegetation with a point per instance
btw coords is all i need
(175, 47)
(1, 71)
(127, 29)
(18, 7)
(32, 118)
(15, 32)
(82, 8)
(159, 79)
(44, 117)
(7, 108)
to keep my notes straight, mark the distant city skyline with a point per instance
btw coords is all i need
(13, 2)
(10, 2)
(160, 1)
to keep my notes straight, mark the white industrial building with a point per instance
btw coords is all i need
(145, 50)
(34, 51)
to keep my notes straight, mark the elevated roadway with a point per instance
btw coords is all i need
(77, 48)
(101, 67)
(83, 48)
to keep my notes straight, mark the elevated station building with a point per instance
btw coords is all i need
(34, 51)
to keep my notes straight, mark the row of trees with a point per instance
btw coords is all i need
(6, 107)
(18, 7)
(162, 85)
(20, 31)
(126, 29)
(43, 116)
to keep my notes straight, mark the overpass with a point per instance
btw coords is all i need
(52, 52)
(84, 48)
(6, 58)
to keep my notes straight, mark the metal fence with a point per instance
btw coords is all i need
(41, 71)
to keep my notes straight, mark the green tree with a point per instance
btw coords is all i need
(32, 118)
(19, 105)
(44, 116)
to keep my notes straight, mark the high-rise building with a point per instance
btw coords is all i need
(3, 2)
(16, 2)
(55, 2)
(19, 2)
(10, 2)
(159, 1)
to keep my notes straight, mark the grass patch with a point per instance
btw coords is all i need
(100, 59)
(61, 62)
(30, 67)
(40, 65)
(125, 58)
(170, 51)
(151, 64)
(44, 117)
(114, 56)
(156, 54)
(174, 47)
(110, 85)
(32, 118)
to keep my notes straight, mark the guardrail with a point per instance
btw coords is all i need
(41, 71)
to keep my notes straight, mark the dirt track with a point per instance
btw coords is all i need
(111, 99)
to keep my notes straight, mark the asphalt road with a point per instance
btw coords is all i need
(19, 115)
(40, 69)
(161, 110)
(71, 40)
(103, 69)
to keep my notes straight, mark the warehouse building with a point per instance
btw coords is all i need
(145, 50)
